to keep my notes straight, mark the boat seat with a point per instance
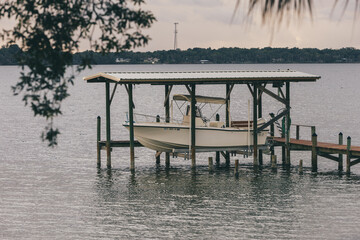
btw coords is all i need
(198, 121)
(216, 124)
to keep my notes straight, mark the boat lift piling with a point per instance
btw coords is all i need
(257, 82)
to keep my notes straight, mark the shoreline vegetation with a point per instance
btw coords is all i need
(207, 56)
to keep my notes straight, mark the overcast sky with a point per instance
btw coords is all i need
(207, 23)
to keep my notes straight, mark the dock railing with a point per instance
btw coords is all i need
(297, 132)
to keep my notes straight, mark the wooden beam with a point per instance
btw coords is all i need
(273, 95)
(127, 90)
(167, 118)
(229, 90)
(131, 129)
(250, 89)
(188, 88)
(355, 162)
(314, 153)
(108, 132)
(328, 156)
(193, 127)
(255, 130)
(260, 116)
(265, 125)
(167, 94)
(281, 92)
(98, 142)
(113, 93)
(341, 141)
(287, 124)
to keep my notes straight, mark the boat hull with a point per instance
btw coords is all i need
(169, 137)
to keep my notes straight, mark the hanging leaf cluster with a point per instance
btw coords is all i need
(49, 32)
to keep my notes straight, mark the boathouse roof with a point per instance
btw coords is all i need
(202, 77)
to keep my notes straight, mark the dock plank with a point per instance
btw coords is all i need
(331, 148)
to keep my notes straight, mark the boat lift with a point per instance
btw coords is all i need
(258, 83)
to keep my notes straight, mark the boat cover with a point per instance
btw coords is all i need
(200, 99)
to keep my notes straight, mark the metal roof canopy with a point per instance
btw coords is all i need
(202, 77)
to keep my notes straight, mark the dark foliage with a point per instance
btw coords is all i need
(229, 55)
(50, 31)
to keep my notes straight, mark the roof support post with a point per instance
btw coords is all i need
(227, 117)
(287, 125)
(260, 116)
(255, 109)
(167, 118)
(131, 128)
(108, 145)
(193, 127)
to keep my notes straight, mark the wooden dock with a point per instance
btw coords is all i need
(323, 149)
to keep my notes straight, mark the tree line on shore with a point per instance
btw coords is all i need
(8, 56)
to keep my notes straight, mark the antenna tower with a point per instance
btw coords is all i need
(175, 37)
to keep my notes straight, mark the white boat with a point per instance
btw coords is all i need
(210, 135)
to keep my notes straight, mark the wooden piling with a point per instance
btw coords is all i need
(193, 127)
(167, 119)
(283, 152)
(314, 153)
(236, 170)
(157, 153)
(227, 120)
(340, 162)
(287, 125)
(255, 142)
(348, 154)
(301, 166)
(217, 158)
(297, 132)
(260, 116)
(131, 129)
(211, 165)
(108, 147)
(98, 162)
(272, 149)
(313, 130)
(273, 162)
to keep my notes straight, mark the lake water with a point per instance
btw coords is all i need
(58, 193)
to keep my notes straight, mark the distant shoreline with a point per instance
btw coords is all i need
(207, 56)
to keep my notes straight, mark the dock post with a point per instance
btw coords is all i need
(272, 149)
(341, 142)
(273, 162)
(217, 158)
(255, 144)
(131, 128)
(167, 119)
(301, 166)
(236, 170)
(348, 154)
(283, 152)
(98, 162)
(260, 116)
(157, 155)
(193, 127)
(314, 153)
(297, 132)
(211, 166)
(108, 138)
(287, 124)
(313, 130)
(227, 120)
